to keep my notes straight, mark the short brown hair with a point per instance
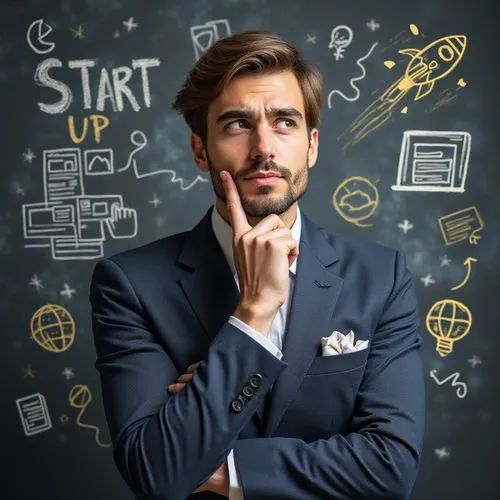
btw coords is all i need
(246, 52)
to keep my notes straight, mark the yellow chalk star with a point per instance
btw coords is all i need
(78, 33)
(29, 372)
(311, 39)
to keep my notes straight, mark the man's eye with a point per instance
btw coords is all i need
(236, 124)
(286, 123)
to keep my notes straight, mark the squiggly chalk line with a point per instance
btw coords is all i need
(357, 78)
(462, 386)
(142, 144)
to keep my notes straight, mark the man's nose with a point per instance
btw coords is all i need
(262, 147)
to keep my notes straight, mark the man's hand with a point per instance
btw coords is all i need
(219, 481)
(262, 257)
(183, 379)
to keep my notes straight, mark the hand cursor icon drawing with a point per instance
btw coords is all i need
(123, 222)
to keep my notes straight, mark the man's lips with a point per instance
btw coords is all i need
(263, 180)
(263, 176)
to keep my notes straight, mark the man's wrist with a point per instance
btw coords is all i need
(221, 480)
(253, 316)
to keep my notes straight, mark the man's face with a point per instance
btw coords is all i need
(257, 124)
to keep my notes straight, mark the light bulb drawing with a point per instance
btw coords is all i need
(448, 320)
(341, 37)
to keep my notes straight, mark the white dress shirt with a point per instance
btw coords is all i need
(274, 342)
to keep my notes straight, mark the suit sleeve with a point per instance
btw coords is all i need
(235, 491)
(378, 456)
(166, 445)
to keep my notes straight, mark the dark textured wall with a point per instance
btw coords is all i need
(58, 192)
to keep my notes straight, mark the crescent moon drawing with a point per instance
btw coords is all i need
(36, 37)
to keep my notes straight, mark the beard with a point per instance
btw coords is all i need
(262, 206)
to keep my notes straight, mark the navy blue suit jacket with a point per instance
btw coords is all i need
(343, 427)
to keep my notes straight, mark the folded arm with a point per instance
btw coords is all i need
(166, 445)
(378, 456)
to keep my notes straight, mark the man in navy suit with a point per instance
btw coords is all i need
(209, 341)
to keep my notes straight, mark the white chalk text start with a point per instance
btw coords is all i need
(113, 88)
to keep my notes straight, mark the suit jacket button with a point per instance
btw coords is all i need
(238, 403)
(256, 381)
(248, 391)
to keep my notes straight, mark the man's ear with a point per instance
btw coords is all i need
(312, 153)
(199, 152)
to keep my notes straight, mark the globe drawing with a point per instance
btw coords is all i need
(53, 328)
(356, 199)
(448, 320)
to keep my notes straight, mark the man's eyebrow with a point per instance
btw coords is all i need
(234, 114)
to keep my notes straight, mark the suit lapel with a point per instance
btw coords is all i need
(213, 295)
(316, 290)
(210, 288)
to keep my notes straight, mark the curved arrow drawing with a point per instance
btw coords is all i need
(467, 262)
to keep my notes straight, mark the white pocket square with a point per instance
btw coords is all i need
(338, 343)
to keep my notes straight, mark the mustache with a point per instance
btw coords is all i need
(265, 166)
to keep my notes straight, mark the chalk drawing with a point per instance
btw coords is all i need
(69, 221)
(34, 414)
(139, 139)
(205, 35)
(36, 35)
(356, 79)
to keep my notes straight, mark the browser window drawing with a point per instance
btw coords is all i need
(433, 161)
(69, 221)
(205, 35)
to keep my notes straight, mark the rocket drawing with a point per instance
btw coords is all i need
(426, 66)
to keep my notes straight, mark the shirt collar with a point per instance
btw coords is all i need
(224, 234)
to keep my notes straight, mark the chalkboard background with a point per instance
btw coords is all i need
(57, 190)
